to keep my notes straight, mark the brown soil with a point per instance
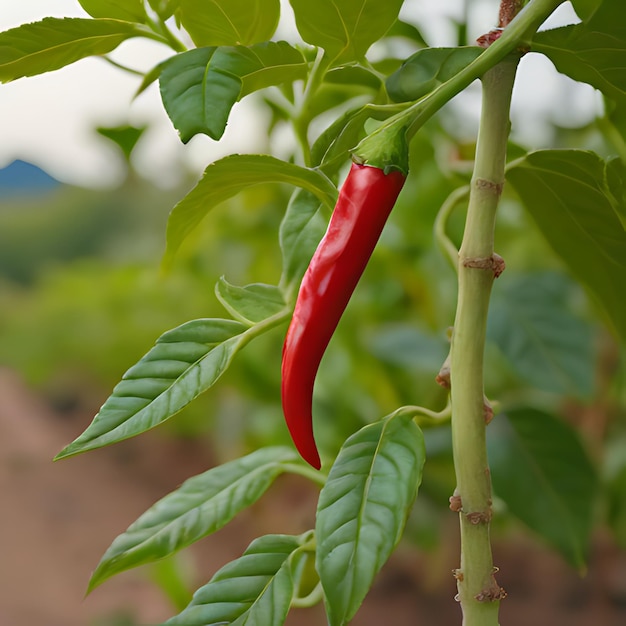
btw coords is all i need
(57, 519)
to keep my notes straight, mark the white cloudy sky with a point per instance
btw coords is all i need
(48, 119)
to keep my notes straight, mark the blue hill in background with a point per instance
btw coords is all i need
(22, 178)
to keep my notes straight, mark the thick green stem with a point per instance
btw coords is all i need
(479, 593)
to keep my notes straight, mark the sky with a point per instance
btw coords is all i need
(49, 119)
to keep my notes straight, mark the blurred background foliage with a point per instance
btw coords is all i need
(84, 297)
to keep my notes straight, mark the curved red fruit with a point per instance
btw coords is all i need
(364, 204)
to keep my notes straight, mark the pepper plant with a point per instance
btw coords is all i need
(346, 109)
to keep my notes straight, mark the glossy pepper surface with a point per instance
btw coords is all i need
(364, 204)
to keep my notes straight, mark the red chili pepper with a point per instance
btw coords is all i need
(364, 204)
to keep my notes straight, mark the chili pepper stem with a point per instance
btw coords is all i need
(479, 594)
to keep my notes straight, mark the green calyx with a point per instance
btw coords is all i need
(386, 148)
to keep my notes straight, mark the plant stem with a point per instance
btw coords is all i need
(303, 117)
(479, 593)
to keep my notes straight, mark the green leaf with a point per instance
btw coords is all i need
(225, 178)
(353, 75)
(200, 87)
(586, 8)
(541, 471)
(229, 22)
(593, 52)
(149, 77)
(200, 506)
(185, 362)
(424, 71)
(129, 10)
(164, 8)
(300, 232)
(407, 31)
(614, 479)
(546, 344)
(252, 303)
(255, 589)
(567, 194)
(124, 137)
(363, 508)
(344, 29)
(615, 179)
(53, 43)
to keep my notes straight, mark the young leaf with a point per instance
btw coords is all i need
(541, 471)
(227, 177)
(200, 87)
(549, 346)
(185, 362)
(255, 589)
(53, 43)
(252, 303)
(363, 508)
(229, 22)
(199, 507)
(344, 29)
(427, 69)
(572, 202)
(129, 10)
(300, 233)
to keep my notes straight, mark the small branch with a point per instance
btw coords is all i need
(303, 118)
(315, 476)
(445, 243)
(120, 66)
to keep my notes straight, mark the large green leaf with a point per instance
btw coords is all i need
(229, 22)
(347, 28)
(130, 10)
(252, 303)
(185, 362)
(424, 71)
(300, 232)
(363, 508)
(614, 479)
(586, 8)
(576, 203)
(199, 507)
(256, 589)
(541, 471)
(593, 52)
(532, 324)
(200, 87)
(53, 43)
(230, 175)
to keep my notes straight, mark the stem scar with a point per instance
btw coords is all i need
(479, 517)
(492, 593)
(488, 185)
(495, 263)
